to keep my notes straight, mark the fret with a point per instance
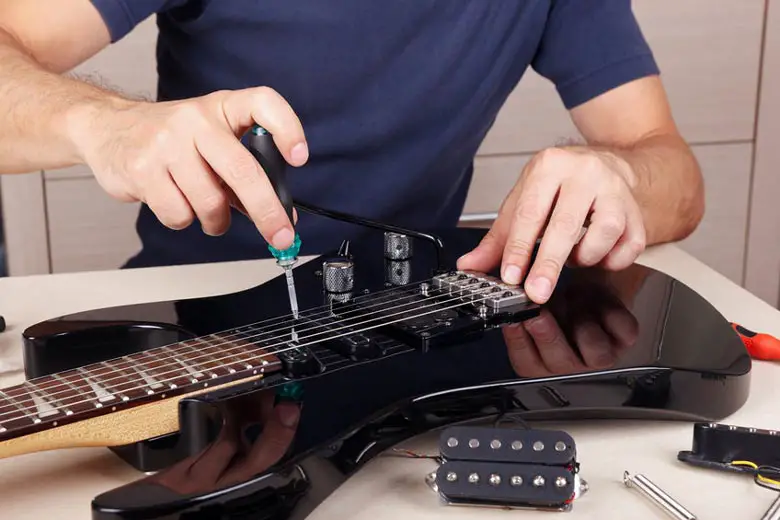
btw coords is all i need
(66, 397)
(151, 383)
(81, 387)
(163, 369)
(176, 357)
(120, 377)
(19, 406)
(99, 388)
(47, 404)
(221, 349)
(271, 342)
(204, 360)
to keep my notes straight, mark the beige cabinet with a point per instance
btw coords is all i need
(712, 61)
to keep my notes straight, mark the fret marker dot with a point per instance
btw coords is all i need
(163, 396)
(54, 423)
(113, 408)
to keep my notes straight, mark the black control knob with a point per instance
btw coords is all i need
(397, 246)
(338, 275)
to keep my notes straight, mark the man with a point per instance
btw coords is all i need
(379, 107)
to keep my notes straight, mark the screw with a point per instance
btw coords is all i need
(425, 334)
(473, 443)
(483, 311)
(538, 481)
(494, 479)
(560, 446)
(560, 482)
(452, 442)
(538, 446)
(517, 480)
(425, 289)
(473, 478)
(517, 445)
(452, 477)
(495, 444)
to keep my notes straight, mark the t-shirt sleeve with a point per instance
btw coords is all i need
(590, 47)
(121, 16)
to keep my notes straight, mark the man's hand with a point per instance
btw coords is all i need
(184, 159)
(560, 191)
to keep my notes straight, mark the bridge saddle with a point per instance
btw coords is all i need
(482, 289)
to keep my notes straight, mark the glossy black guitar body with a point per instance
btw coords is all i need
(634, 344)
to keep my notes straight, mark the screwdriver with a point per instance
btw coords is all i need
(759, 345)
(263, 148)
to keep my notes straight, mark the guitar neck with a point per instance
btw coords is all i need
(127, 399)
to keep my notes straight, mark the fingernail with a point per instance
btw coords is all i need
(282, 239)
(541, 287)
(300, 153)
(288, 415)
(512, 274)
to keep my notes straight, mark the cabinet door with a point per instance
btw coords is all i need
(709, 60)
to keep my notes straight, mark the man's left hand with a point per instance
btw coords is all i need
(560, 191)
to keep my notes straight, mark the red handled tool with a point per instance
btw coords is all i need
(759, 346)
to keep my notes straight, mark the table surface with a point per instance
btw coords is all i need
(63, 483)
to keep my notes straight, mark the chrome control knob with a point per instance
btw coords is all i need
(338, 275)
(397, 246)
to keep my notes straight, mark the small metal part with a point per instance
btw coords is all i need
(451, 476)
(291, 291)
(397, 246)
(560, 482)
(494, 479)
(773, 513)
(425, 289)
(452, 442)
(516, 480)
(656, 495)
(338, 275)
(474, 443)
(473, 478)
(482, 311)
(517, 445)
(538, 481)
(495, 444)
(560, 446)
(538, 446)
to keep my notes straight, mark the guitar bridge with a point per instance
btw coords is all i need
(508, 469)
(483, 291)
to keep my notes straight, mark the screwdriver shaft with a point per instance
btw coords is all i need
(291, 291)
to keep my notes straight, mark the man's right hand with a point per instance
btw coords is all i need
(184, 159)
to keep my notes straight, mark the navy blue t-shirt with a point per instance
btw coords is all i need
(395, 97)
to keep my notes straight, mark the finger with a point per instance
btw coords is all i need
(594, 345)
(607, 224)
(563, 231)
(238, 168)
(528, 219)
(631, 243)
(267, 108)
(523, 354)
(168, 203)
(204, 192)
(554, 348)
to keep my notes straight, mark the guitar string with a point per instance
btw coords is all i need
(220, 340)
(261, 356)
(221, 337)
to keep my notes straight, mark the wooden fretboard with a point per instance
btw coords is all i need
(159, 373)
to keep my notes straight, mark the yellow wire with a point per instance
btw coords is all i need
(755, 466)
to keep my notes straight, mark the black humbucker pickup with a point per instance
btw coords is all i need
(486, 483)
(528, 446)
(507, 467)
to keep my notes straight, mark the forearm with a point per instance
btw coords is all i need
(42, 113)
(667, 184)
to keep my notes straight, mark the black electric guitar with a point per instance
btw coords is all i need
(235, 408)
